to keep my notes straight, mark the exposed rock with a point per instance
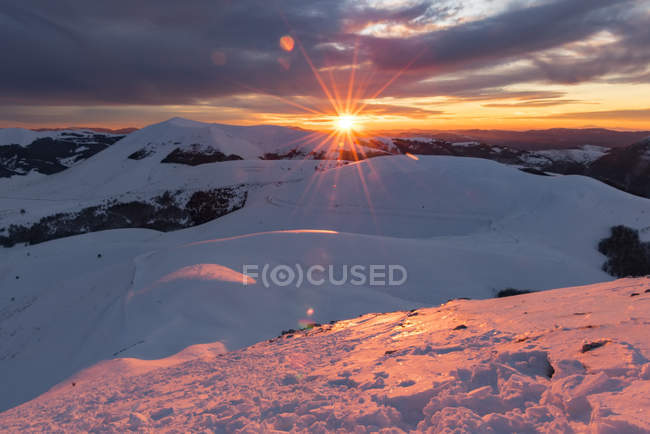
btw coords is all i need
(197, 154)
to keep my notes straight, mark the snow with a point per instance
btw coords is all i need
(465, 144)
(387, 141)
(150, 313)
(567, 360)
(419, 139)
(248, 142)
(24, 137)
(535, 159)
(462, 227)
(584, 155)
(20, 136)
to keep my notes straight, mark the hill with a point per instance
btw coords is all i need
(568, 360)
(460, 227)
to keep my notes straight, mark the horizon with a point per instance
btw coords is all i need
(386, 65)
(127, 129)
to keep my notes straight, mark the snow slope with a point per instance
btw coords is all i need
(584, 155)
(113, 173)
(568, 360)
(21, 136)
(24, 137)
(25, 152)
(461, 227)
(248, 142)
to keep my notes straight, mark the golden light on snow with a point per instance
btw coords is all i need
(412, 157)
(207, 272)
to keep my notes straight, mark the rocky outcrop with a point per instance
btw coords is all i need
(196, 155)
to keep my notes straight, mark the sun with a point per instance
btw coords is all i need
(345, 122)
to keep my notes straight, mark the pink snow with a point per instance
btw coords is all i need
(573, 359)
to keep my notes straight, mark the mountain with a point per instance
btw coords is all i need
(625, 167)
(161, 177)
(567, 360)
(182, 141)
(118, 131)
(460, 227)
(146, 180)
(535, 140)
(25, 151)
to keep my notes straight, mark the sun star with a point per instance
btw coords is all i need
(345, 123)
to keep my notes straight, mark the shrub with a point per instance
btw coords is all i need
(627, 255)
(509, 292)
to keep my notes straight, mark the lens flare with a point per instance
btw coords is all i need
(343, 111)
(345, 123)
(287, 43)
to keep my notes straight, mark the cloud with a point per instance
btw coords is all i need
(163, 52)
(400, 110)
(518, 32)
(153, 52)
(534, 103)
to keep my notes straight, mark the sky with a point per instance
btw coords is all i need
(393, 64)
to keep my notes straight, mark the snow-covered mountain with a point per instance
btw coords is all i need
(568, 360)
(624, 167)
(182, 141)
(459, 227)
(45, 152)
(177, 140)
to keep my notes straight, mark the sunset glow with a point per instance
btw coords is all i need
(391, 65)
(346, 123)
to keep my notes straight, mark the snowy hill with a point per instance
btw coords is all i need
(461, 227)
(568, 360)
(45, 152)
(156, 142)
(20, 136)
(181, 141)
(623, 167)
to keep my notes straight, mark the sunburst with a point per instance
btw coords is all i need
(347, 114)
(346, 123)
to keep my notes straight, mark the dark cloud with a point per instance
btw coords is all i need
(154, 51)
(147, 52)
